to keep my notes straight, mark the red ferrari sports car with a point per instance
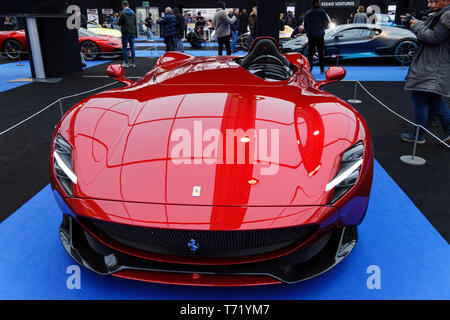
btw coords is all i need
(216, 171)
(12, 43)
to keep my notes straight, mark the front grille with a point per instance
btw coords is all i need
(212, 244)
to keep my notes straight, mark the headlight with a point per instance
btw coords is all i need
(63, 164)
(348, 173)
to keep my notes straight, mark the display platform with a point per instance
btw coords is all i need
(395, 237)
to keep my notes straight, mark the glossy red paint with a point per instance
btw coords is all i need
(116, 72)
(106, 44)
(122, 145)
(115, 158)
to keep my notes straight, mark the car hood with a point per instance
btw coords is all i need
(158, 144)
(296, 42)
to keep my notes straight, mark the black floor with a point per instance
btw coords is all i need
(24, 150)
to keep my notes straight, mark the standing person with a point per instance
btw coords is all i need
(360, 16)
(113, 20)
(186, 21)
(243, 22)
(351, 17)
(252, 26)
(301, 19)
(281, 24)
(200, 21)
(290, 19)
(222, 24)
(235, 30)
(428, 76)
(316, 21)
(179, 29)
(149, 24)
(127, 22)
(169, 28)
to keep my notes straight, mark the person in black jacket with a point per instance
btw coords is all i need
(179, 30)
(195, 38)
(149, 24)
(315, 23)
(127, 23)
(243, 22)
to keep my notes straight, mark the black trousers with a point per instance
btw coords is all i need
(170, 44)
(224, 41)
(319, 44)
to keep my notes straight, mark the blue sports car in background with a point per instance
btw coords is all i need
(362, 40)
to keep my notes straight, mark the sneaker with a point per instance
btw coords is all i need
(411, 138)
(133, 65)
(125, 65)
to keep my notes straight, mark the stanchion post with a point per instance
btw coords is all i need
(354, 100)
(403, 62)
(61, 108)
(413, 159)
(20, 64)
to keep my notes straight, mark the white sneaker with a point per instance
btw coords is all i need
(133, 65)
(125, 65)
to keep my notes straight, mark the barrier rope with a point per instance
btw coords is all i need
(400, 116)
(53, 103)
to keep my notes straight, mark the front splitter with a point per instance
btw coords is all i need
(305, 263)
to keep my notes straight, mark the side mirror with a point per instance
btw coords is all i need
(116, 72)
(333, 74)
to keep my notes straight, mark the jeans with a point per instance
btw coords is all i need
(234, 37)
(196, 45)
(128, 38)
(251, 37)
(150, 34)
(179, 44)
(423, 101)
(224, 41)
(313, 43)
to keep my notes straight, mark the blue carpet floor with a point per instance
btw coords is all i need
(11, 71)
(395, 236)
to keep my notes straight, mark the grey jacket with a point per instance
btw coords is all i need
(360, 17)
(430, 67)
(222, 23)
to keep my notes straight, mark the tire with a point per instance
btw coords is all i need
(405, 51)
(90, 50)
(12, 49)
(243, 41)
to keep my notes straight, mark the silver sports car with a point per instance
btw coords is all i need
(362, 40)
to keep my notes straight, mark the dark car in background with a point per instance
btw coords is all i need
(361, 41)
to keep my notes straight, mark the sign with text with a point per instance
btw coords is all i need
(339, 4)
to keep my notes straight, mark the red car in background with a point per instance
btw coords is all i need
(215, 171)
(13, 43)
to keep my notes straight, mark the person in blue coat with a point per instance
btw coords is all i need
(168, 29)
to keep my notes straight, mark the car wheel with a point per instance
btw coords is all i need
(12, 48)
(405, 51)
(90, 50)
(244, 42)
